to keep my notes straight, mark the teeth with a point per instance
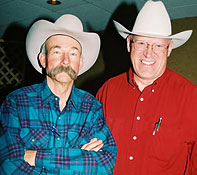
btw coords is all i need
(148, 62)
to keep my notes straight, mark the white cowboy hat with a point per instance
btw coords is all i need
(68, 25)
(153, 21)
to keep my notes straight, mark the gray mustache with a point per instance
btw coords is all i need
(60, 69)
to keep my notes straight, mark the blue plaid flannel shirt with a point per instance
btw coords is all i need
(30, 119)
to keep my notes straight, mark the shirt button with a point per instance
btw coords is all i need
(58, 138)
(141, 99)
(56, 98)
(59, 118)
(153, 90)
(134, 137)
(33, 140)
(138, 117)
(130, 157)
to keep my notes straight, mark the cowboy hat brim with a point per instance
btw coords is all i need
(42, 30)
(178, 39)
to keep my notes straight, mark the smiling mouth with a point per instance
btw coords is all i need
(147, 62)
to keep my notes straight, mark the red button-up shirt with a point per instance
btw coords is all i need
(147, 146)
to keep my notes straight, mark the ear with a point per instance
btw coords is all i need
(42, 58)
(170, 47)
(81, 63)
(128, 44)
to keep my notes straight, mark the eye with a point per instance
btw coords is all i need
(74, 53)
(159, 45)
(57, 51)
(142, 43)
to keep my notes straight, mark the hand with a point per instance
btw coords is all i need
(93, 145)
(30, 156)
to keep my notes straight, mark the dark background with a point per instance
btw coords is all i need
(113, 58)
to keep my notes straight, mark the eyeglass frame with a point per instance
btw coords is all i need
(152, 45)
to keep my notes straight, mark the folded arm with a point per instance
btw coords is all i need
(90, 162)
(80, 159)
(11, 145)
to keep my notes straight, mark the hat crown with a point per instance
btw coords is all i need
(153, 19)
(70, 22)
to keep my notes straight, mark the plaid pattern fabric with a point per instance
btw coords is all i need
(30, 119)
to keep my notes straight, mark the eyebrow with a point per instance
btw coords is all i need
(75, 48)
(54, 47)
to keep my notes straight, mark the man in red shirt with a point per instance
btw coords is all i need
(152, 110)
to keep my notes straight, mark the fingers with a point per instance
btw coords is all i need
(97, 148)
(85, 146)
(93, 145)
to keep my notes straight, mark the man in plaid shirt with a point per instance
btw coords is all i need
(53, 127)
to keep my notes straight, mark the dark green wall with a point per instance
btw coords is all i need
(184, 58)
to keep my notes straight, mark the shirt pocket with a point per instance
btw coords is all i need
(168, 149)
(34, 138)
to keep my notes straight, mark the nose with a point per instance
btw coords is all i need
(65, 59)
(148, 51)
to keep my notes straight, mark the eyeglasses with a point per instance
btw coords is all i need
(142, 45)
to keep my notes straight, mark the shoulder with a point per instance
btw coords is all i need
(86, 97)
(116, 81)
(87, 104)
(177, 86)
(24, 92)
(178, 80)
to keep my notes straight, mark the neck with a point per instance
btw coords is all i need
(142, 83)
(61, 90)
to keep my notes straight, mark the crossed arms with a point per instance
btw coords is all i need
(95, 157)
(93, 145)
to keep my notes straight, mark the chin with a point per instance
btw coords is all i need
(64, 78)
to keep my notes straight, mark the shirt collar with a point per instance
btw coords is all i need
(130, 78)
(74, 98)
(156, 82)
(47, 96)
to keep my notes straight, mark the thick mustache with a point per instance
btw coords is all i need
(66, 69)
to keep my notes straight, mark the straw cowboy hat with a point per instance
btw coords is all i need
(153, 21)
(68, 25)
